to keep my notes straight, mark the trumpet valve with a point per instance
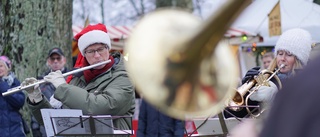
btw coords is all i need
(262, 80)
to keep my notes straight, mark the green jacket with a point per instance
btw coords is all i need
(110, 93)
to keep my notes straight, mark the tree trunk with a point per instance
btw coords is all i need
(30, 28)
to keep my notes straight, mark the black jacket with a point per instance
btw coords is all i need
(153, 123)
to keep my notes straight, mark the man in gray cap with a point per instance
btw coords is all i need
(55, 61)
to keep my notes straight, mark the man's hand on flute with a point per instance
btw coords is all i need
(56, 78)
(34, 93)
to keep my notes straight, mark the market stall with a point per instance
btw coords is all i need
(294, 13)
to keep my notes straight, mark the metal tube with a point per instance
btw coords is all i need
(19, 88)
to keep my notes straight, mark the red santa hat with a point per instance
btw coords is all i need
(93, 34)
(297, 41)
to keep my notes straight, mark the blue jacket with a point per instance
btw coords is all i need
(10, 118)
(153, 123)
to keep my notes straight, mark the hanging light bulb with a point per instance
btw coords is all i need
(244, 37)
(254, 44)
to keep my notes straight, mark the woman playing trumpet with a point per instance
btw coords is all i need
(292, 50)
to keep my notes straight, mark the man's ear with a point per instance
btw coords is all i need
(47, 63)
(64, 60)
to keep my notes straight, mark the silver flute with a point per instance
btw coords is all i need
(19, 88)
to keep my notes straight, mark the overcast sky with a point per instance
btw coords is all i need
(294, 13)
(123, 13)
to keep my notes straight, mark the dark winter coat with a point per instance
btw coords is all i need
(153, 123)
(10, 119)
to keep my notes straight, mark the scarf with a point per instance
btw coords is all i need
(92, 73)
(284, 76)
(9, 79)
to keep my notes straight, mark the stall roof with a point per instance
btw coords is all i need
(119, 33)
(294, 13)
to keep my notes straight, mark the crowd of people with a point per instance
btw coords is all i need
(108, 90)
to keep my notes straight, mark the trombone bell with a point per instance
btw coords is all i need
(180, 65)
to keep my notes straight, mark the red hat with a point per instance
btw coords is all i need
(93, 34)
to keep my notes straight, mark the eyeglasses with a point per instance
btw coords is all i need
(57, 58)
(92, 52)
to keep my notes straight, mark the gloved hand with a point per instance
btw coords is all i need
(56, 78)
(265, 93)
(55, 103)
(250, 74)
(34, 93)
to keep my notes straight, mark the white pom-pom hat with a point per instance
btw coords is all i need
(93, 34)
(297, 41)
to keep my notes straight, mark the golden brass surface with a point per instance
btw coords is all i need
(179, 62)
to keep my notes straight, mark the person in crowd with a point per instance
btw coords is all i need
(103, 90)
(267, 59)
(294, 112)
(292, 50)
(55, 61)
(153, 123)
(11, 119)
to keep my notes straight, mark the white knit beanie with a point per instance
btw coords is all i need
(297, 41)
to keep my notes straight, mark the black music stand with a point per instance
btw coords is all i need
(87, 126)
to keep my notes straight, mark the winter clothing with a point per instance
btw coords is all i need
(47, 88)
(110, 93)
(10, 117)
(34, 93)
(56, 78)
(93, 34)
(265, 93)
(250, 74)
(297, 41)
(153, 123)
(55, 51)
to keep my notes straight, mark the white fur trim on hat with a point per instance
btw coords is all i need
(92, 37)
(297, 41)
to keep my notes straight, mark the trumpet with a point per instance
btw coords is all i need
(19, 88)
(261, 79)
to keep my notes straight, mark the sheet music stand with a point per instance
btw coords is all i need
(87, 126)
